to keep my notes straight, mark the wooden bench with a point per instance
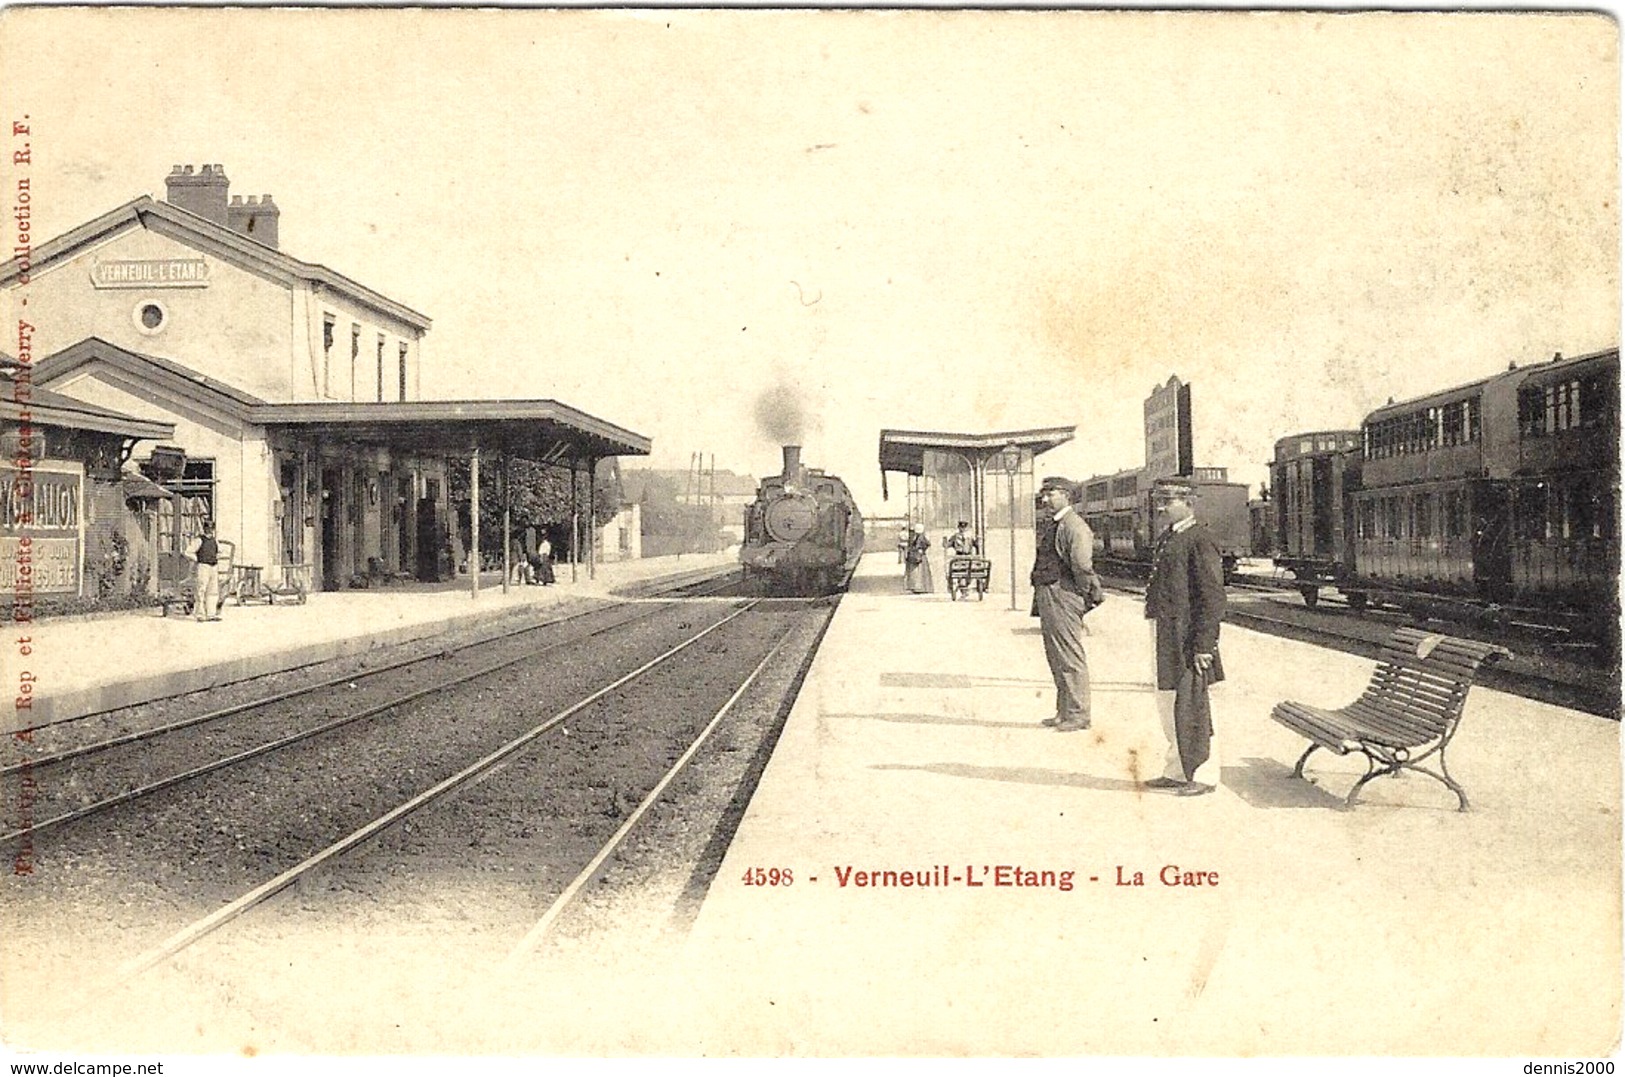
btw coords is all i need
(1408, 712)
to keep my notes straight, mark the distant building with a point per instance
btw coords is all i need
(725, 493)
(622, 538)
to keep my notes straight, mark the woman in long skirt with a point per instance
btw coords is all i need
(917, 565)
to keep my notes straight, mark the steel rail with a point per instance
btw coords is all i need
(1528, 684)
(1525, 683)
(200, 928)
(140, 735)
(533, 938)
(130, 795)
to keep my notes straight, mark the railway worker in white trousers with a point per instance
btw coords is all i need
(1185, 604)
(205, 550)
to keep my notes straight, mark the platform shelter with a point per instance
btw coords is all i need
(984, 479)
(974, 477)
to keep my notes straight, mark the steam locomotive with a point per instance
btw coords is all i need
(803, 533)
(1499, 497)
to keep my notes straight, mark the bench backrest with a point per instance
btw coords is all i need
(1424, 677)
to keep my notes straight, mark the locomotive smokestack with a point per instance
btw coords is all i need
(792, 463)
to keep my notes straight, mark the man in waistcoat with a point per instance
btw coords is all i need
(1064, 586)
(206, 552)
(1185, 603)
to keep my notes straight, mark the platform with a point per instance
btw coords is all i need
(82, 665)
(1401, 927)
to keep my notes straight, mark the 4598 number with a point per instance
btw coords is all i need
(769, 877)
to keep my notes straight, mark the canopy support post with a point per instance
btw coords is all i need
(474, 523)
(507, 522)
(592, 518)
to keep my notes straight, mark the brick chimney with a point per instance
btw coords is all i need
(256, 218)
(202, 192)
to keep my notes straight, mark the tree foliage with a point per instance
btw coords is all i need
(671, 526)
(540, 497)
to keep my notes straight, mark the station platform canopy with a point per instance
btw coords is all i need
(948, 471)
(904, 450)
(541, 430)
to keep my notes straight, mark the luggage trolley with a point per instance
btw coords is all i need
(965, 573)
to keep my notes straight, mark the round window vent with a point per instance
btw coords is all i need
(150, 316)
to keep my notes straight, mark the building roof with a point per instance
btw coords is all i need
(42, 407)
(904, 450)
(148, 212)
(177, 377)
(542, 430)
(137, 487)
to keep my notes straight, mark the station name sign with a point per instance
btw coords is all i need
(151, 273)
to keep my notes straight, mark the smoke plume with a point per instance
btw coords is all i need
(780, 415)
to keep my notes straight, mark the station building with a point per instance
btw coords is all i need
(290, 390)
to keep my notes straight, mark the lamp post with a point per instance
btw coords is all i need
(1010, 461)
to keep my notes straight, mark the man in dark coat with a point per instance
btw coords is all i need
(1064, 589)
(1185, 603)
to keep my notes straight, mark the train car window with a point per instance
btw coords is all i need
(1455, 514)
(1603, 520)
(1422, 515)
(1598, 401)
(1531, 511)
(1531, 413)
(1453, 423)
(1577, 512)
(1562, 406)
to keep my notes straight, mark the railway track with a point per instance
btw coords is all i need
(203, 926)
(30, 744)
(579, 729)
(273, 722)
(1532, 674)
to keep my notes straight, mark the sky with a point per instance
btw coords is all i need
(967, 221)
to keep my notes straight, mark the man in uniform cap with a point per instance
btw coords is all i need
(1185, 603)
(1064, 589)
